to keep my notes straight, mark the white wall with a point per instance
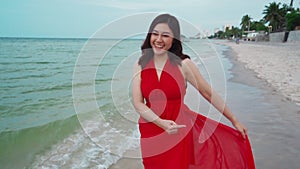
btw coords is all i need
(294, 36)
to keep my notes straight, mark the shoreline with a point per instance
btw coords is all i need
(243, 75)
(277, 64)
(129, 163)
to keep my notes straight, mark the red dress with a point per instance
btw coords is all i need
(202, 144)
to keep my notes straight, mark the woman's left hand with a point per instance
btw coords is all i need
(241, 128)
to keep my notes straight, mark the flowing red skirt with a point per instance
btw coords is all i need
(203, 144)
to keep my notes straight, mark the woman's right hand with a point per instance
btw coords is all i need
(169, 126)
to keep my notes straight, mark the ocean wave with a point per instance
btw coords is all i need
(96, 145)
(19, 147)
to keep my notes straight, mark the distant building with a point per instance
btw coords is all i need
(229, 27)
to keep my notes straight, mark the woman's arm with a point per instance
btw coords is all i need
(193, 76)
(138, 101)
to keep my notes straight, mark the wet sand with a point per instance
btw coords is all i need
(128, 163)
(273, 120)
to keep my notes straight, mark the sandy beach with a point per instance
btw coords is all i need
(277, 63)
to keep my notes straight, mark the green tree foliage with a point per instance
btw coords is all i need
(274, 14)
(246, 22)
(228, 34)
(258, 26)
(293, 19)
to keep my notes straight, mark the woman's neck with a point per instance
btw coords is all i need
(159, 63)
(160, 59)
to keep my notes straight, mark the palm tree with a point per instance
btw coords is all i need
(259, 26)
(275, 15)
(245, 23)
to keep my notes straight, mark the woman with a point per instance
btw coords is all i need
(172, 136)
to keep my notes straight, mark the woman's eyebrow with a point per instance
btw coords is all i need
(156, 31)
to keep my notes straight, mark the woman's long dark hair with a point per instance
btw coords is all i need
(175, 54)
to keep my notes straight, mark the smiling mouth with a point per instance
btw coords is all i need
(159, 46)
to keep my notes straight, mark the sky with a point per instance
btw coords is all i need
(83, 18)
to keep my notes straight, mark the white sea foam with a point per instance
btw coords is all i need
(99, 146)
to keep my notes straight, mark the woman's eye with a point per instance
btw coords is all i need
(155, 34)
(166, 36)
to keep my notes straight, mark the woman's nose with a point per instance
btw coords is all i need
(159, 37)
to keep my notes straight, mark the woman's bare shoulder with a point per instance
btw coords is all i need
(137, 66)
(187, 64)
(186, 61)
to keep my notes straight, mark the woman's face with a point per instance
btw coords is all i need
(161, 39)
